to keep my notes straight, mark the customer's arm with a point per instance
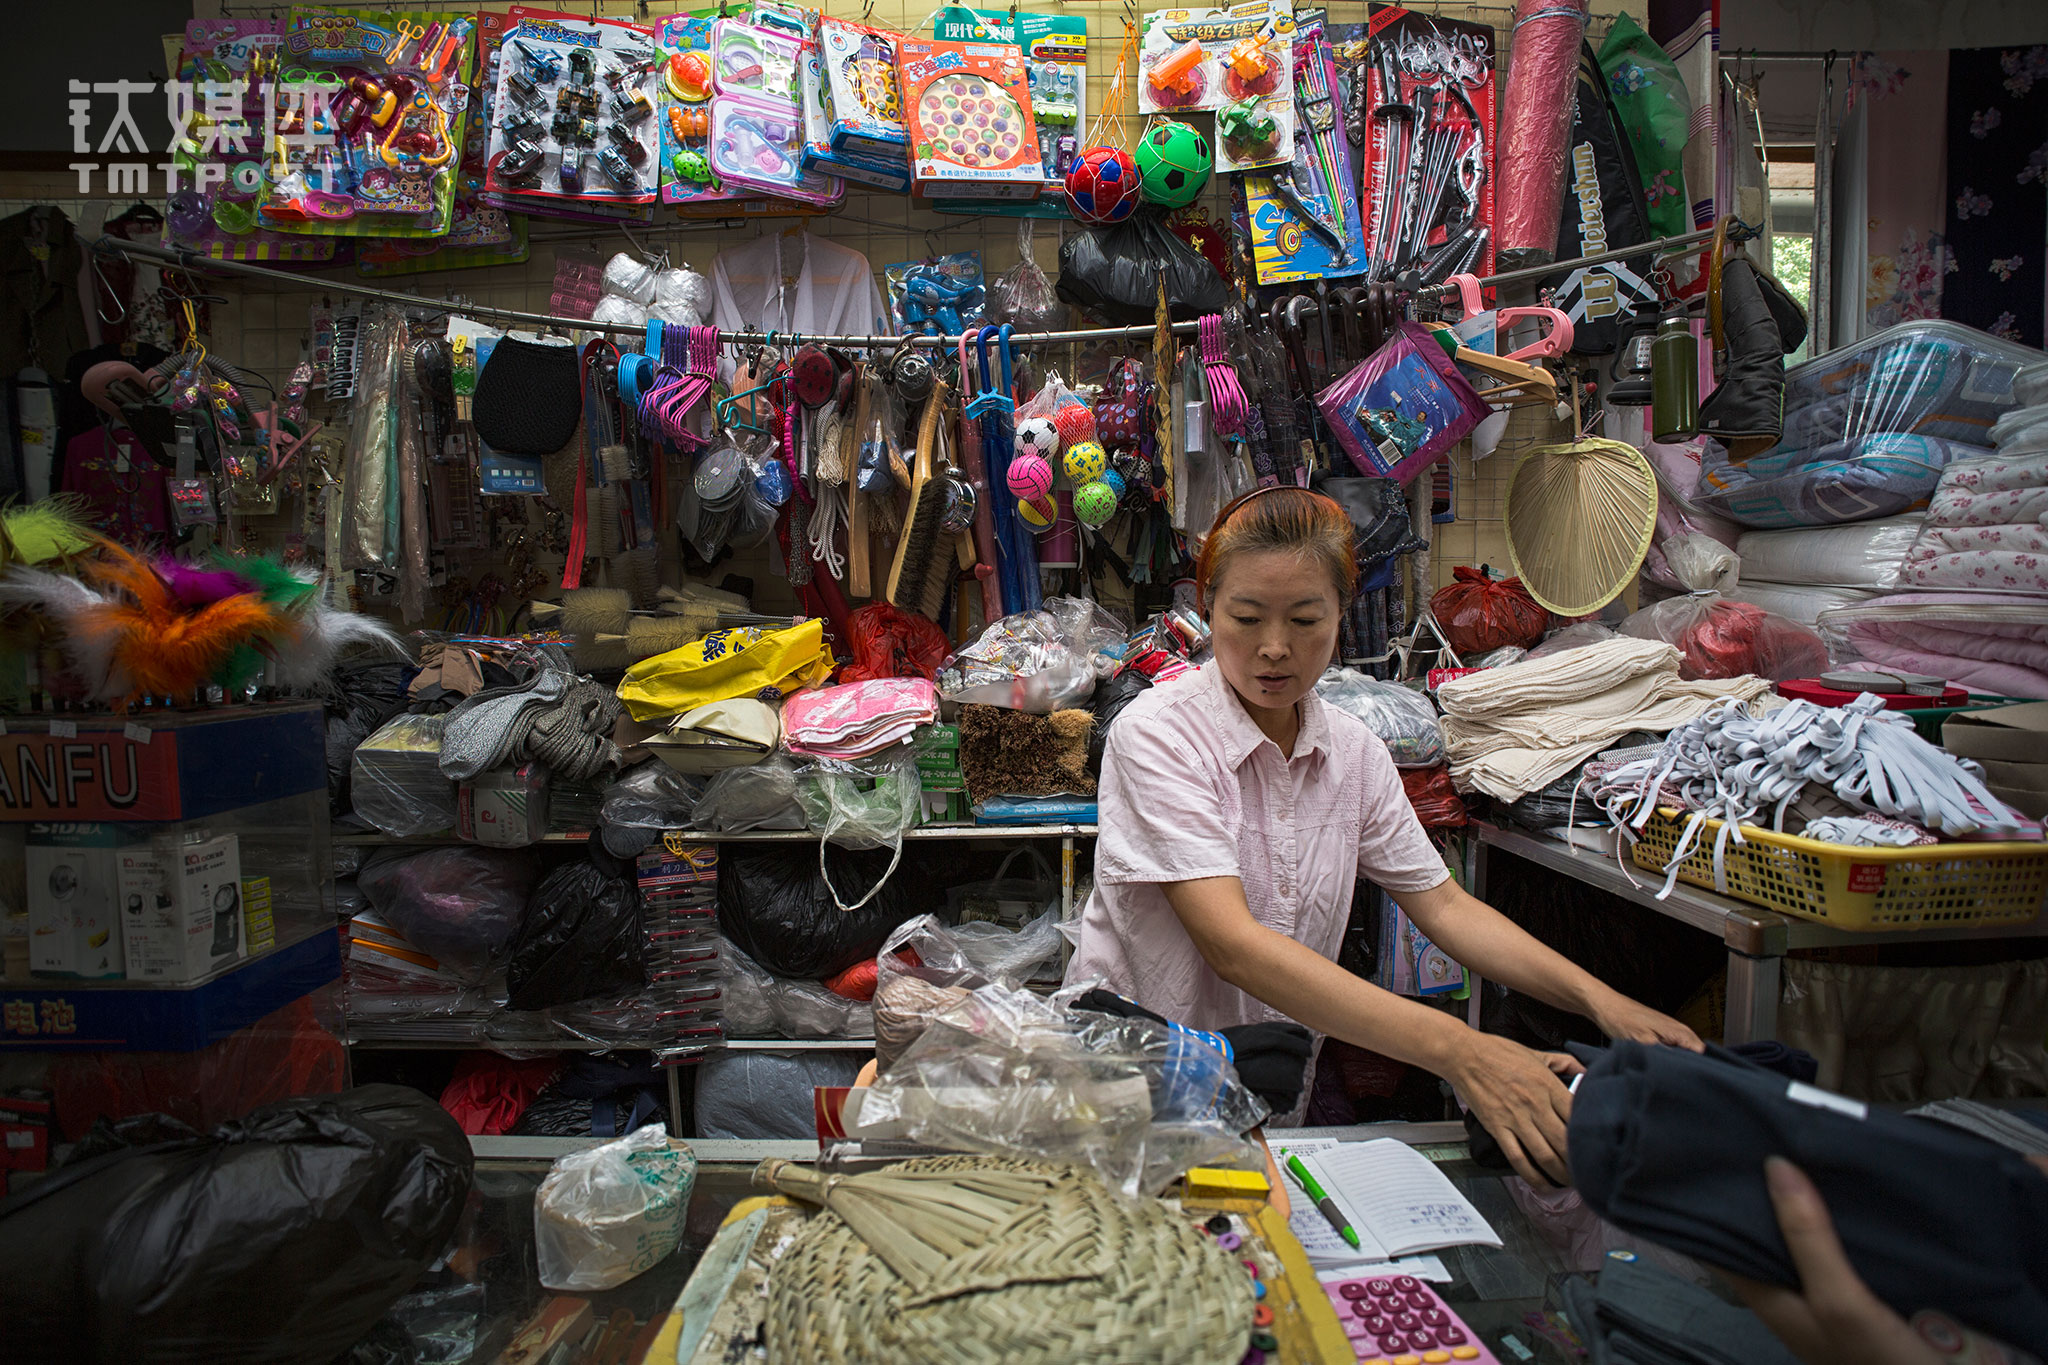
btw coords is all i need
(1480, 938)
(1512, 1088)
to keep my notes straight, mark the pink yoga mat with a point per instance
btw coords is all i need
(1536, 129)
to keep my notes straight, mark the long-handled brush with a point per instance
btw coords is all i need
(923, 539)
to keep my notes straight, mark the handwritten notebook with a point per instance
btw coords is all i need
(1396, 1199)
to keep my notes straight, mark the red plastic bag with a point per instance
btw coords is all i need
(488, 1093)
(1481, 614)
(888, 642)
(858, 981)
(1717, 638)
(1434, 798)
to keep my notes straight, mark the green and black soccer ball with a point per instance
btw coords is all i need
(1173, 164)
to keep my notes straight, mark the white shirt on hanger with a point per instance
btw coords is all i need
(833, 292)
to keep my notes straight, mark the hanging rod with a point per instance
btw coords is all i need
(192, 260)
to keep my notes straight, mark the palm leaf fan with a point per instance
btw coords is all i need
(1579, 521)
(922, 1222)
(161, 646)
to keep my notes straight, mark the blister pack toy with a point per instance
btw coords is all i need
(939, 297)
(968, 109)
(758, 143)
(863, 99)
(380, 158)
(747, 59)
(220, 172)
(1055, 48)
(882, 173)
(575, 115)
(1304, 218)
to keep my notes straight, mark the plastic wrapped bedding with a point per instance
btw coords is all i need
(1877, 475)
(759, 1095)
(1987, 527)
(1994, 643)
(1801, 602)
(1934, 379)
(2030, 386)
(1863, 554)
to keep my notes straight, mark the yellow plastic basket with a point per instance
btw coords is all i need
(1859, 888)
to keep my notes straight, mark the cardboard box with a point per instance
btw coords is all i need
(182, 904)
(504, 808)
(2010, 734)
(862, 95)
(74, 919)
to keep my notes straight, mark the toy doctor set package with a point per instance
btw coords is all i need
(380, 159)
(575, 110)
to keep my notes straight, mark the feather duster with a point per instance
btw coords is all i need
(160, 646)
(317, 633)
(65, 602)
(37, 532)
(196, 586)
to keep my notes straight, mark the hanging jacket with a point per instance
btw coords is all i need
(1759, 324)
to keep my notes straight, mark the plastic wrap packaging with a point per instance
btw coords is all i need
(1575, 636)
(395, 780)
(1479, 613)
(580, 939)
(614, 311)
(648, 798)
(1717, 638)
(773, 902)
(925, 967)
(461, 905)
(370, 506)
(1113, 273)
(1798, 602)
(361, 697)
(767, 1096)
(2021, 431)
(1986, 527)
(889, 642)
(1039, 661)
(173, 1249)
(1007, 1072)
(1022, 296)
(1402, 408)
(758, 1004)
(1403, 718)
(1535, 129)
(2030, 385)
(603, 1215)
(759, 796)
(1863, 554)
(1435, 801)
(1863, 477)
(629, 277)
(1994, 643)
(864, 803)
(1692, 561)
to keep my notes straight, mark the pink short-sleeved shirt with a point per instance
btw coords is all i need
(1191, 788)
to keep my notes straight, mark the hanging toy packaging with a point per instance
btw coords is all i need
(882, 173)
(968, 110)
(757, 143)
(1304, 216)
(937, 297)
(380, 158)
(1429, 153)
(863, 97)
(1055, 48)
(686, 111)
(1404, 408)
(1237, 62)
(576, 110)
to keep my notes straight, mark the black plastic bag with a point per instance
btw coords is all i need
(1108, 703)
(460, 903)
(777, 908)
(1112, 273)
(365, 695)
(580, 940)
(278, 1239)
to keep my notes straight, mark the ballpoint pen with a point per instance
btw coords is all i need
(1327, 1205)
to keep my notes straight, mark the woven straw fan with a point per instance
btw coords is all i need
(921, 1222)
(1579, 521)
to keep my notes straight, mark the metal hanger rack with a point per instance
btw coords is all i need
(191, 260)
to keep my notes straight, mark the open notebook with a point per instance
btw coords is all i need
(1398, 1202)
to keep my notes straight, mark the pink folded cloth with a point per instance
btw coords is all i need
(857, 719)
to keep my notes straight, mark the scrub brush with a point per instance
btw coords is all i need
(920, 542)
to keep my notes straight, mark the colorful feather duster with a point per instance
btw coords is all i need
(164, 647)
(38, 532)
(319, 632)
(64, 602)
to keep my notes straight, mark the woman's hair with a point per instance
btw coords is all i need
(1281, 518)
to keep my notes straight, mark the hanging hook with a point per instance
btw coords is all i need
(106, 286)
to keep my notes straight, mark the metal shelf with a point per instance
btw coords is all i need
(757, 836)
(799, 1044)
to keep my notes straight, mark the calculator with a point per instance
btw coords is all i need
(1400, 1320)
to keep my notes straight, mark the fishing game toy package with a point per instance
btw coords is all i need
(1055, 48)
(575, 111)
(968, 109)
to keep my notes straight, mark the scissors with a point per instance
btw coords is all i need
(406, 33)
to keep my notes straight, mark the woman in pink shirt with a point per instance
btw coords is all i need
(1237, 810)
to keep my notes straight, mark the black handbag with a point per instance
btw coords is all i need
(527, 397)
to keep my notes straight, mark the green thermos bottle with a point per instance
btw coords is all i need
(1674, 380)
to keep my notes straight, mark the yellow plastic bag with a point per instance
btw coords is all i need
(746, 662)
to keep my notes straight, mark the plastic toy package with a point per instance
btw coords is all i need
(381, 157)
(968, 109)
(220, 173)
(575, 110)
(1304, 217)
(882, 173)
(1055, 48)
(748, 59)
(863, 98)
(939, 297)
(1194, 59)
(757, 143)
(1429, 197)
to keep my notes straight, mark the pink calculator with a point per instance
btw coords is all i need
(1399, 1320)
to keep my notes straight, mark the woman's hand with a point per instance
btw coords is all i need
(1521, 1098)
(1833, 1318)
(1620, 1017)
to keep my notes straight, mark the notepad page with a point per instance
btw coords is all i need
(1387, 1187)
(1306, 1221)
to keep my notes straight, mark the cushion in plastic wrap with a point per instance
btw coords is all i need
(1934, 379)
(1988, 642)
(767, 1094)
(1863, 554)
(1801, 602)
(1852, 480)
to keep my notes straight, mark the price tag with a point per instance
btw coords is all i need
(64, 729)
(140, 734)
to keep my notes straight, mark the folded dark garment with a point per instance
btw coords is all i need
(1671, 1145)
(1637, 1313)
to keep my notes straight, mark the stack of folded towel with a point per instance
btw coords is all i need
(857, 719)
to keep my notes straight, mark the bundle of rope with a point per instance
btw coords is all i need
(1733, 767)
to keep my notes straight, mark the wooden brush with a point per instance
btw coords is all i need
(920, 544)
(858, 576)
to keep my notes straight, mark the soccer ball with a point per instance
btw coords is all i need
(1030, 476)
(1085, 461)
(1173, 164)
(1038, 436)
(1038, 513)
(1094, 503)
(1102, 187)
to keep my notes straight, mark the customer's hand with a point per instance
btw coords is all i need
(1833, 1318)
(1620, 1017)
(1520, 1097)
